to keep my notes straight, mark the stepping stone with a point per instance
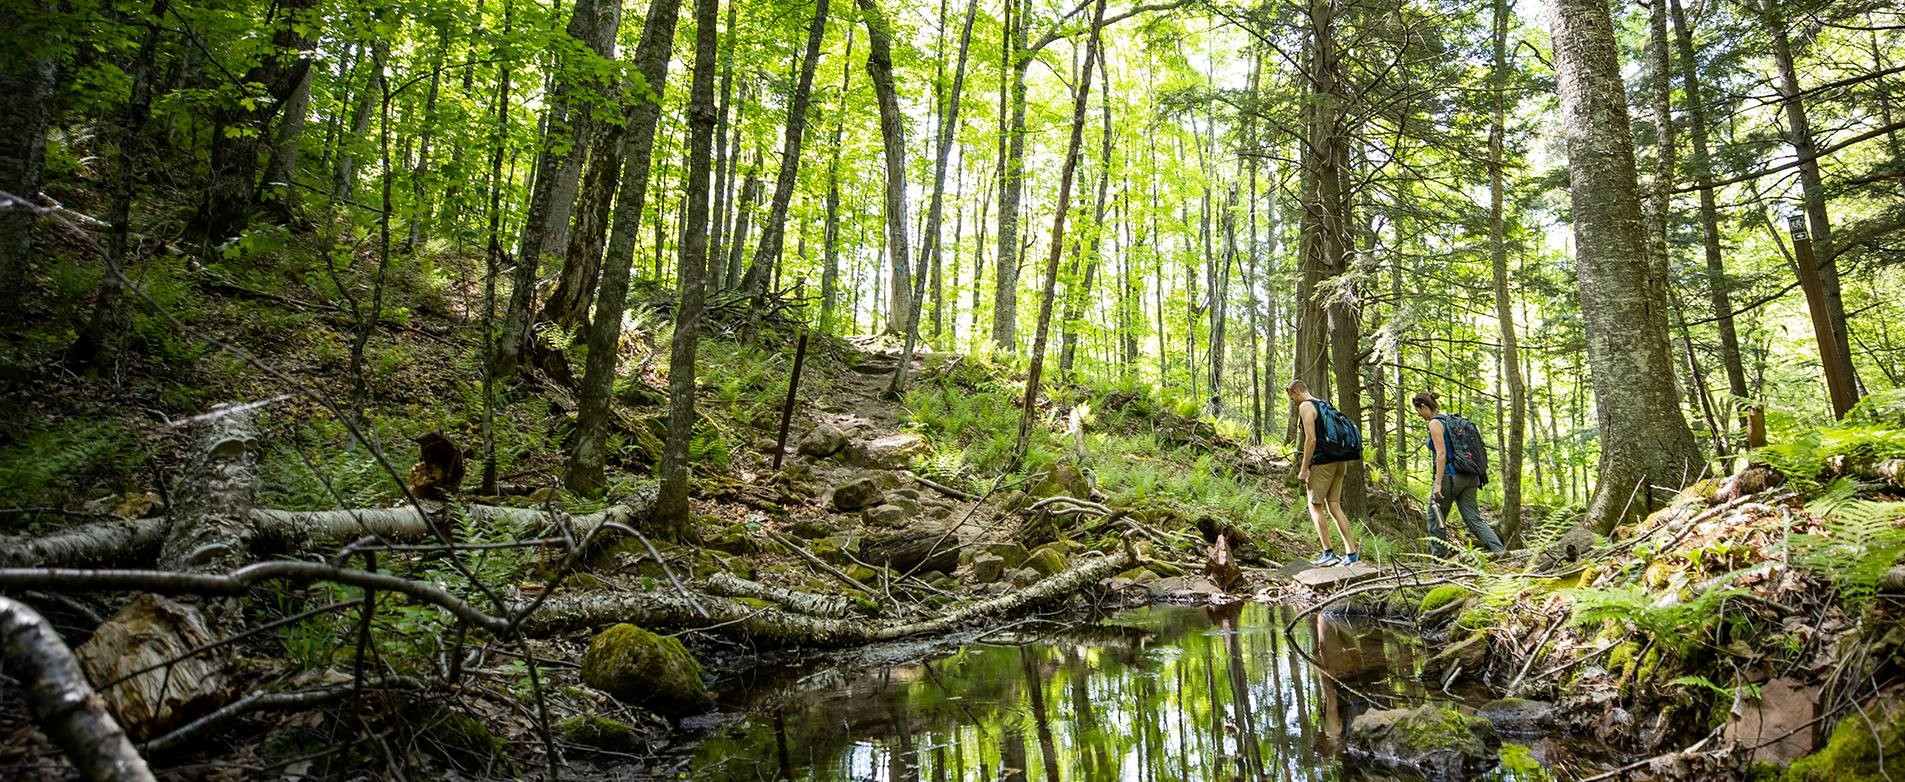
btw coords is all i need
(1326, 579)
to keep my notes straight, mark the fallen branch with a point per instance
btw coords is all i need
(949, 491)
(652, 610)
(238, 581)
(257, 701)
(281, 532)
(68, 710)
(809, 603)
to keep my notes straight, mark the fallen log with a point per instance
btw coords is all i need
(659, 609)
(809, 603)
(68, 710)
(283, 532)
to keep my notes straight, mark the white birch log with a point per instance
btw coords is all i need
(68, 710)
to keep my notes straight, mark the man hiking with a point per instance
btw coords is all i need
(1330, 442)
(1461, 468)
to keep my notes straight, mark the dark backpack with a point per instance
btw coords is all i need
(1468, 455)
(1337, 438)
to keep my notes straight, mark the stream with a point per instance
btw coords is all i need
(1157, 693)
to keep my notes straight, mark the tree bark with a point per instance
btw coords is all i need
(1644, 439)
(63, 701)
(584, 473)
(240, 127)
(672, 507)
(893, 135)
(1514, 434)
(1718, 287)
(743, 209)
(568, 304)
(774, 228)
(1061, 208)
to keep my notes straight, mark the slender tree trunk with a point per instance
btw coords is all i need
(1799, 130)
(552, 193)
(1514, 433)
(893, 135)
(28, 87)
(1014, 58)
(671, 506)
(240, 127)
(344, 176)
(1061, 208)
(743, 210)
(585, 470)
(1719, 288)
(1644, 440)
(724, 157)
(774, 228)
(568, 304)
(280, 191)
(830, 237)
(1075, 303)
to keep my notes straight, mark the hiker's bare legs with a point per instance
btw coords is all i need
(1342, 526)
(1317, 514)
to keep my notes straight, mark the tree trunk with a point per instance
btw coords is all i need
(1005, 298)
(239, 128)
(568, 304)
(584, 474)
(893, 134)
(280, 191)
(344, 176)
(558, 166)
(743, 209)
(1061, 208)
(936, 209)
(1517, 414)
(671, 511)
(724, 157)
(1718, 287)
(774, 228)
(830, 235)
(28, 87)
(1799, 134)
(1644, 439)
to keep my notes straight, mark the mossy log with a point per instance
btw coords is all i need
(771, 625)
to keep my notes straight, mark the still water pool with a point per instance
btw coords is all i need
(1157, 693)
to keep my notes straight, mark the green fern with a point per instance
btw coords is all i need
(1862, 541)
(1675, 625)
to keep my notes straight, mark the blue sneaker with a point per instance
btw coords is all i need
(1329, 558)
(1352, 558)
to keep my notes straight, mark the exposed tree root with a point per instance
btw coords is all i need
(68, 710)
(649, 609)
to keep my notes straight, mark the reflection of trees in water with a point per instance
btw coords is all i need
(1173, 693)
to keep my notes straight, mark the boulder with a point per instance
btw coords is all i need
(837, 549)
(810, 529)
(822, 441)
(894, 451)
(887, 515)
(733, 539)
(1437, 743)
(1024, 576)
(917, 550)
(598, 732)
(1047, 560)
(987, 568)
(1063, 480)
(864, 490)
(647, 670)
(1518, 716)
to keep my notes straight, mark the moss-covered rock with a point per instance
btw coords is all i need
(458, 739)
(1469, 654)
(1435, 742)
(1441, 596)
(1854, 752)
(591, 730)
(1046, 560)
(642, 668)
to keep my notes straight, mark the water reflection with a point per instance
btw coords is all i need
(1165, 693)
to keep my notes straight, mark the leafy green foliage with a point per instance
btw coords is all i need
(1862, 541)
(48, 465)
(1676, 625)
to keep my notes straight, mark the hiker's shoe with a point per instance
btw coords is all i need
(1352, 558)
(1329, 558)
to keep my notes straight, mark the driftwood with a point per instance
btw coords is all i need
(656, 610)
(64, 703)
(809, 603)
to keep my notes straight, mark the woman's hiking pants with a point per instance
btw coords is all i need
(1459, 490)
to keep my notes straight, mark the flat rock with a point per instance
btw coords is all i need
(1518, 716)
(1783, 706)
(1334, 576)
(894, 451)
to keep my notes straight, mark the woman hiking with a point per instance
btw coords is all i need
(1461, 468)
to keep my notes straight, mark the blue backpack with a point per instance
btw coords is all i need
(1338, 439)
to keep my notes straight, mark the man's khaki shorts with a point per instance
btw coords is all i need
(1326, 482)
